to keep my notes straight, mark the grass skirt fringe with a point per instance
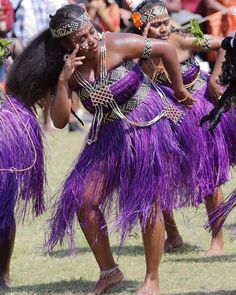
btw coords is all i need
(16, 151)
(129, 169)
(220, 214)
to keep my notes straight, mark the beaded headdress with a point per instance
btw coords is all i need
(141, 18)
(71, 27)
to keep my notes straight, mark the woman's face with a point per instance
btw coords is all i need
(86, 37)
(160, 27)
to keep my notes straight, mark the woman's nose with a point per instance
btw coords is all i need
(162, 28)
(91, 41)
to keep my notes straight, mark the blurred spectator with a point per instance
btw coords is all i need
(53, 5)
(190, 9)
(221, 22)
(105, 14)
(173, 6)
(30, 19)
(6, 17)
(194, 6)
(6, 23)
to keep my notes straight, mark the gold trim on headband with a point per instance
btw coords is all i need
(71, 27)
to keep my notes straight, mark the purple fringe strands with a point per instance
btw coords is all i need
(20, 188)
(130, 169)
(219, 215)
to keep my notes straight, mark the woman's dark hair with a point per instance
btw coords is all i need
(132, 29)
(36, 70)
(229, 65)
(228, 77)
(65, 15)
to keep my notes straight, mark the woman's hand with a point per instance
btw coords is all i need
(185, 98)
(215, 91)
(146, 30)
(71, 62)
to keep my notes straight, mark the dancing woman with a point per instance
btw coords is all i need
(152, 20)
(21, 168)
(227, 103)
(136, 157)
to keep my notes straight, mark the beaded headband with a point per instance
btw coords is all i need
(156, 11)
(141, 18)
(71, 27)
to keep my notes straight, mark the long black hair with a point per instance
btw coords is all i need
(229, 65)
(228, 77)
(35, 72)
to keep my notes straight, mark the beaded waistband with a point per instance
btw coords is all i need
(131, 104)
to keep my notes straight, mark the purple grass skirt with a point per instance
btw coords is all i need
(228, 125)
(214, 153)
(19, 189)
(129, 169)
(219, 215)
(228, 121)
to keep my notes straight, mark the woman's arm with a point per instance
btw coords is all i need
(193, 44)
(215, 90)
(61, 105)
(16, 47)
(214, 5)
(132, 46)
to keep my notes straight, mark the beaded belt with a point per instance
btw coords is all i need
(130, 105)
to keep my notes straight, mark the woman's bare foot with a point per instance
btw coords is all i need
(216, 248)
(105, 283)
(173, 244)
(4, 283)
(150, 287)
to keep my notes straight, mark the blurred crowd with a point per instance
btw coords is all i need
(24, 19)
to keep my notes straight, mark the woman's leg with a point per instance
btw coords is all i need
(153, 240)
(47, 121)
(217, 243)
(7, 239)
(173, 240)
(91, 219)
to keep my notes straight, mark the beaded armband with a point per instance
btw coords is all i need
(205, 42)
(147, 49)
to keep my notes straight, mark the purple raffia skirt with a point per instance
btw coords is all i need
(221, 213)
(129, 169)
(21, 163)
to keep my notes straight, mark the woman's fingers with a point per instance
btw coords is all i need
(74, 52)
(145, 32)
(77, 58)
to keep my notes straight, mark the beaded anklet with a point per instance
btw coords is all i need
(108, 273)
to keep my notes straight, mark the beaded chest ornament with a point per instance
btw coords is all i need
(101, 96)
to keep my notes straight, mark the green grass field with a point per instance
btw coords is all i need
(184, 273)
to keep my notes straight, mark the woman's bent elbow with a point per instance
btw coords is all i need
(60, 124)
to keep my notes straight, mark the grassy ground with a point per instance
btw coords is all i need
(184, 273)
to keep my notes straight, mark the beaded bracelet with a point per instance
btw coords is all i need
(184, 99)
